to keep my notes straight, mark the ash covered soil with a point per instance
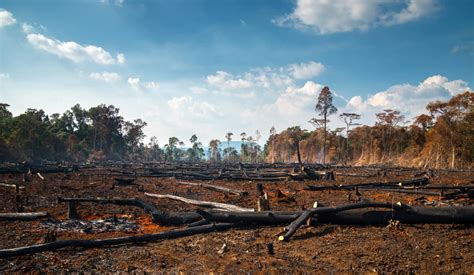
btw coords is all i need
(423, 248)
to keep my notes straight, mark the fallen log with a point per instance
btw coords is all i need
(19, 251)
(373, 185)
(216, 188)
(217, 205)
(23, 216)
(412, 215)
(307, 214)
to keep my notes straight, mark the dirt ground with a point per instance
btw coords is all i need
(326, 248)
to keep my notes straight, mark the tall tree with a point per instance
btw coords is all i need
(228, 136)
(348, 119)
(325, 108)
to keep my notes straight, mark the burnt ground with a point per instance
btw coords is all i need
(420, 248)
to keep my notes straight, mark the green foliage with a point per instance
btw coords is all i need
(75, 135)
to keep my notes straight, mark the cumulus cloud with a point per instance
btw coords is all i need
(306, 70)
(120, 58)
(227, 81)
(266, 77)
(409, 99)
(6, 18)
(137, 85)
(105, 76)
(324, 17)
(298, 99)
(72, 50)
(186, 106)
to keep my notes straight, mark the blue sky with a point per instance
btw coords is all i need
(209, 67)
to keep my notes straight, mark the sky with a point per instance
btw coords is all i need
(208, 67)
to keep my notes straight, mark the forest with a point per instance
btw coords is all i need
(441, 138)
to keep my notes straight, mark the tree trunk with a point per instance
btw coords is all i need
(298, 152)
(22, 216)
(453, 155)
(324, 145)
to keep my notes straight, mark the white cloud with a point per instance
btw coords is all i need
(411, 100)
(265, 77)
(26, 28)
(4, 76)
(105, 76)
(227, 81)
(324, 17)
(120, 58)
(72, 50)
(6, 18)
(186, 106)
(306, 70)
(298, 99)
(136, 84)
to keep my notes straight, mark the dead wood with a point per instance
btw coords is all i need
(411, 215)
(419, 182)
(12, 252)
(307, 214)
(23, 216)
(263, 203)
(217, 205)
(216, 188)
(11, 185)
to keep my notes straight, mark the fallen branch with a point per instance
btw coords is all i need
(217, 205)
(10, 185)
(12, 252)
(23, 216)
(216, 188)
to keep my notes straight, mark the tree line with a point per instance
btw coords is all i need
(444, 137)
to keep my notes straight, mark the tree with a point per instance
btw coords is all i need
(272, 138)
(196, 152)
(134, 135)
(325, 108)
(170, 149)
(454, 120)
(388, 120)
(348, 119)
(295, 136)
(243, 146)
(214, 154)
(228, 136)
(154, 151)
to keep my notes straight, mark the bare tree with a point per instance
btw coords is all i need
(325, 108)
